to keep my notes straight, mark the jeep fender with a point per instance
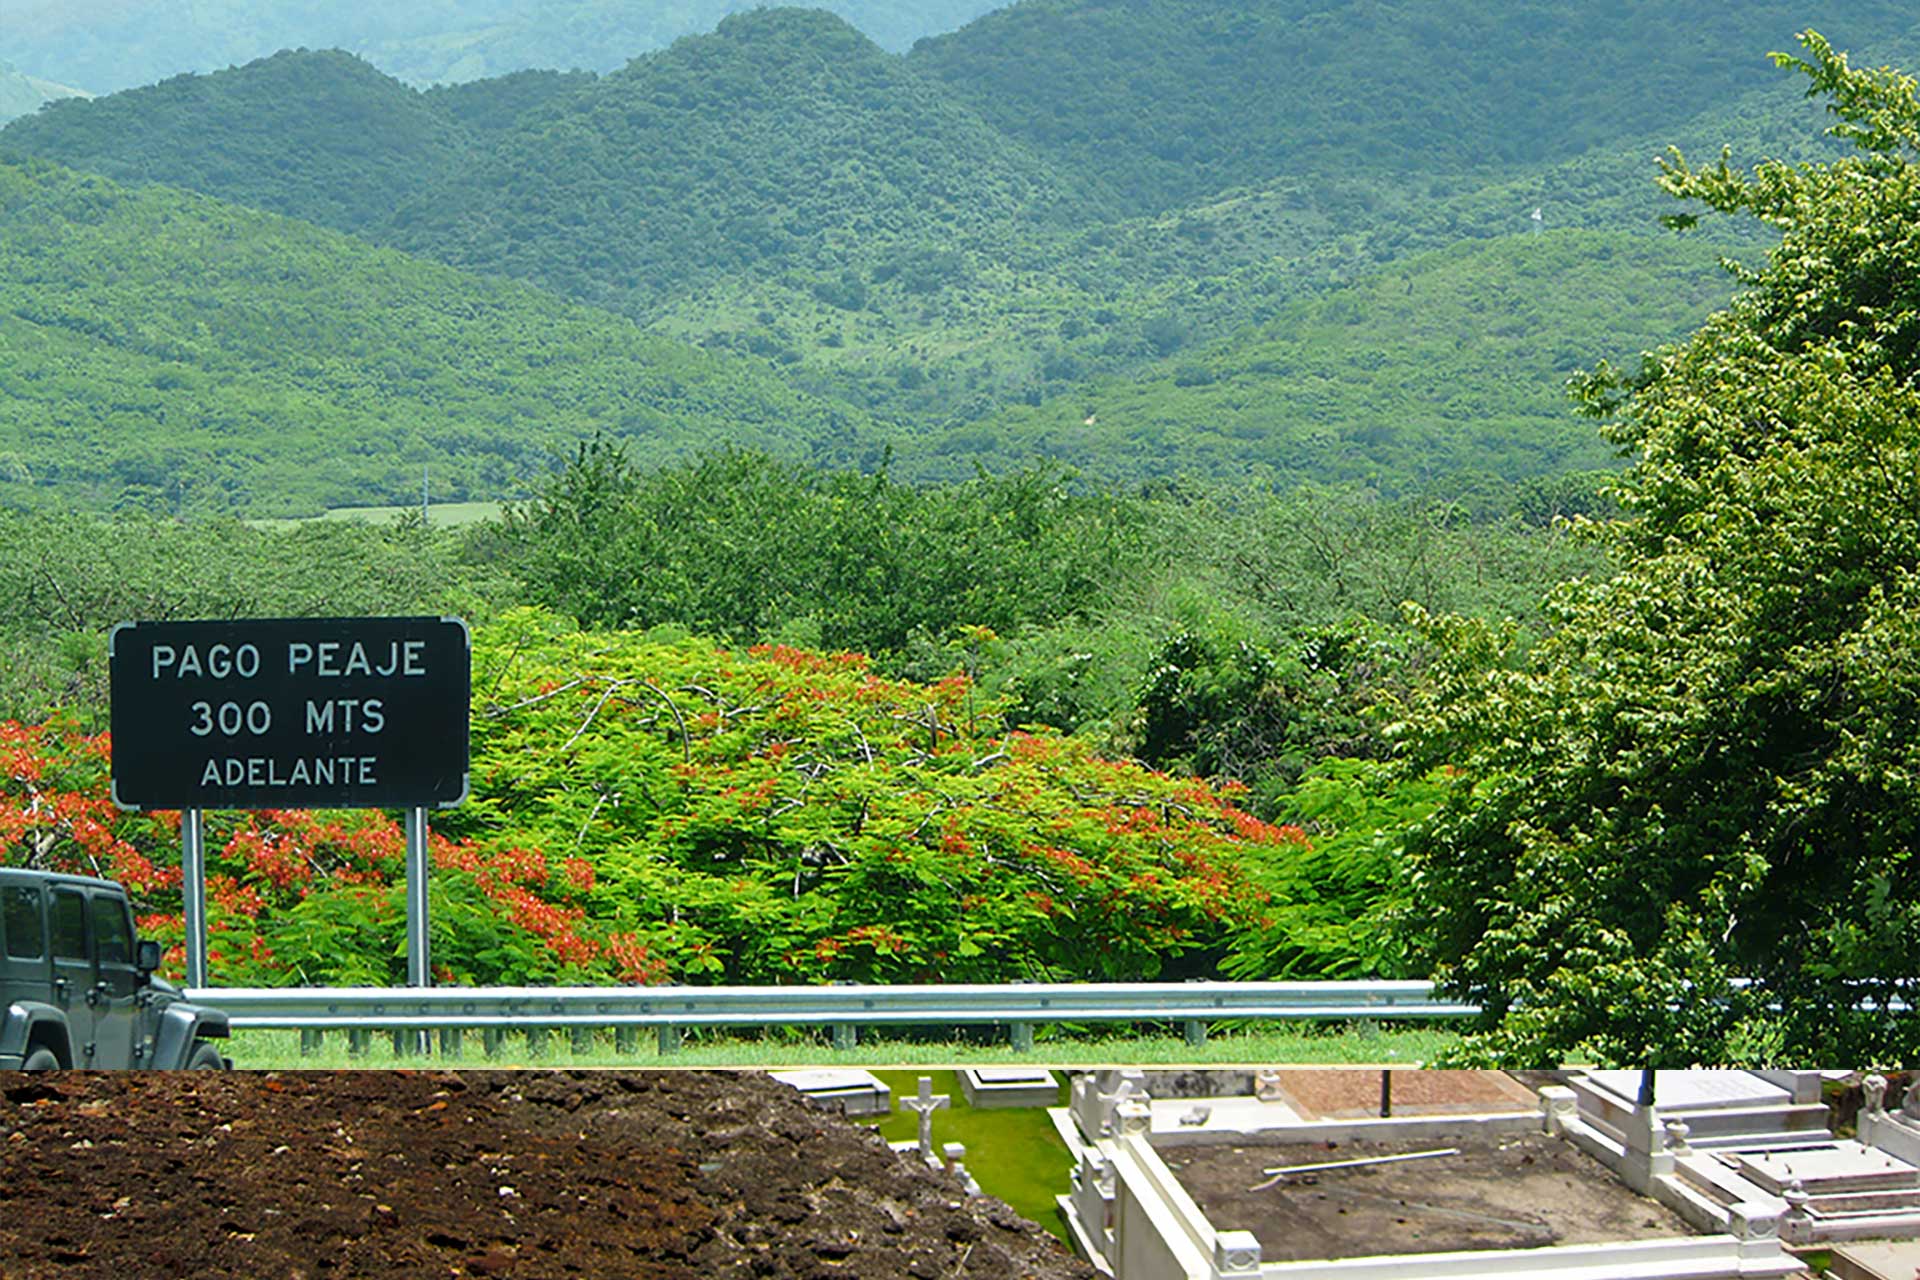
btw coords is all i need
(180, 1026)
(27, 1021)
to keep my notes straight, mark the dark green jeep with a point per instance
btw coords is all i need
(78, 990)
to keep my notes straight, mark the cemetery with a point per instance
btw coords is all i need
(1176, 1174)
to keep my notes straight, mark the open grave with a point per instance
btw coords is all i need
(1425, 1195)
(1471, 1174)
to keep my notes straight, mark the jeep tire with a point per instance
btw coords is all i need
(205, 1058)
(41, 1059)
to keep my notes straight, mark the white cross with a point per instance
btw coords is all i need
(924, 1106)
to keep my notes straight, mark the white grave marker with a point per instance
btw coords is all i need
(924, 1104)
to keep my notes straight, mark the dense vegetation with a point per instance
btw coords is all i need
(784, 139)
(1452, 366)
(1417, 87)
(1137, 641)
(366, 141)
(104, 46)
(648, 811)
(65, 580)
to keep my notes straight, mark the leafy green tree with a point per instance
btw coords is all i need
(1335, 907)
(1686, 825)
(742, 545)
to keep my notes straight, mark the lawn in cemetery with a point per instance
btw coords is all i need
(1015, 1153)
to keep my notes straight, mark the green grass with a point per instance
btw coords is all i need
(1263, 1044)
(441, 514)
(1015, 1153)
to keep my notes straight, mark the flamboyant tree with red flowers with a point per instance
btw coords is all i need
(646, 811)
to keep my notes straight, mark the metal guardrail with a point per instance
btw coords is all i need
(524, 1008)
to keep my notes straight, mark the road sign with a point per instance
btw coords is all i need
(299, 713)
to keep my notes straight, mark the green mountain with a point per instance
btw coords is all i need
(321, 136)
(109, 45)
(784, 140)
(785, 189)
(1448, 371)
(22, 94)
(163, 349)
(1160, 101)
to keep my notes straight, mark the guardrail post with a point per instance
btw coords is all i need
(450, 1038)
(1196, 1030)
(626, 1040)
(311, 1038)
(492, 1040)
(403, 1042)
(1021, 1034)
(845, 1036)
(357, 1038)
(536, 1042)
(582, 1040)
(669, 1039)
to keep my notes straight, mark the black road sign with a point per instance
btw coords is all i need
(299, 713)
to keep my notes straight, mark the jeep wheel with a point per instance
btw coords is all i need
(41, 1060)
(205, 1058)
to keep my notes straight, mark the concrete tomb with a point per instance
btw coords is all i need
(1009, 1087)
(1695, 1090)
(850, 1091)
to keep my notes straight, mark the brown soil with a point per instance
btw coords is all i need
(374, 1174)
(1511, 1191)
(1347, 1093)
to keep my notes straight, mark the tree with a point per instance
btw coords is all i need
(1708, 774)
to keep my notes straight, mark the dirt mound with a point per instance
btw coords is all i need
(431, 1174)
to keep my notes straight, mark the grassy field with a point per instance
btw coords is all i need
(442, 515)
(1268, 1044)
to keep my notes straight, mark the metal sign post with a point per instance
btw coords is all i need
(193, 888)
(419, 942)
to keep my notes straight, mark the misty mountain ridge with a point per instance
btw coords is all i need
(108, 45)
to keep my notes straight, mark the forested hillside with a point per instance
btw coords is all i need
(926, 237)
(1243, 92)
(1444, 373)
(785, 139)
(105, 45)
(292, 368)
(320, 136)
